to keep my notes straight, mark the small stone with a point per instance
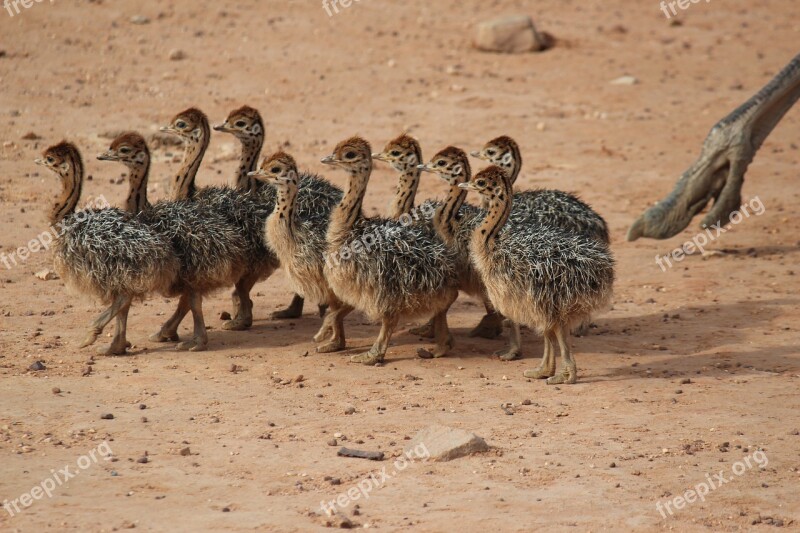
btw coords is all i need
(139, 20)
(686, 381)
(142, 406)
(37, 366)
(226, 509)
(612, 465)
(526, 402)
(185, 451)
(299, 378)
(625, 80)
(143, 460)
(107, 416)
(46, 275)
(86, 370)
(444, 443)
(333, 442)
(177, 55)
(510, 35)
(234, 368)
(56, 390)
(225, 316)
(349, 410)
(30, 136)
(144, 420)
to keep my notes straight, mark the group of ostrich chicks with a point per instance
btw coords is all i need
(538, 258)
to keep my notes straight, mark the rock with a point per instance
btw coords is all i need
(625, 80)
(349, 410)
(37, 366)
(107, 416)
(185, 451)
(30, 136)
(56, 390)
(510, 35)
(140, 20)
(86, 371)
(445, 443)
(46, 275)
(143, 460)
(177, 55)
(225, 316)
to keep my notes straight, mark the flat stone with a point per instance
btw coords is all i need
(445, 444)
(625, 80)
(514, 34)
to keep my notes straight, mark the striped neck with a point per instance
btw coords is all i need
(137, 187)
(284, 212)
(184, 186)
(498, 212)
(445, 217)
(72, 183)
(248, 162)
(349, 209)
(406, 192)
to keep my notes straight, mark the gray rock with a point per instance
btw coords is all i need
(445, 443)
(510, 35)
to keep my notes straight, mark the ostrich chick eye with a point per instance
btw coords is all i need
(441, 163)
(240, 124)
(275, 170)
(490, 152)
(350, 155)
(50, 160)
(481, 183)
(124, 150)
(395, 153)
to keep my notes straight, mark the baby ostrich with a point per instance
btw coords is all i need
(300, 246)
(105, 253)
(546, 206)
(316, 199)
(537, 275)
(405, 156)
(385, 268)
(242, 211)
(208, 247)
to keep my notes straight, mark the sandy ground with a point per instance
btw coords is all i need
(686, 361)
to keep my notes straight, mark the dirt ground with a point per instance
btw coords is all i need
(692, 371)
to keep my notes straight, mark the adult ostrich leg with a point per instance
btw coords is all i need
(719, 171)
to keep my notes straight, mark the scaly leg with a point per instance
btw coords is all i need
(119, 343)
(547, 368)
(514, 350)
(99, 323)
(199, 342)
(378, 350)
(169, 331)
(244, 312)
(491, 325)
(444, 340)
(336, 312)
(569, 374)
(295, 309)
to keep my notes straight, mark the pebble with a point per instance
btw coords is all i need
(186, 451)
(225, 316)
(143, 460)
(56, 390)
(349, 410)
(333, 442)
(37, 366)
(140, 20)
(142, 406)
(177, 55)
(625, 80)
(107, 416)
(86, 371)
